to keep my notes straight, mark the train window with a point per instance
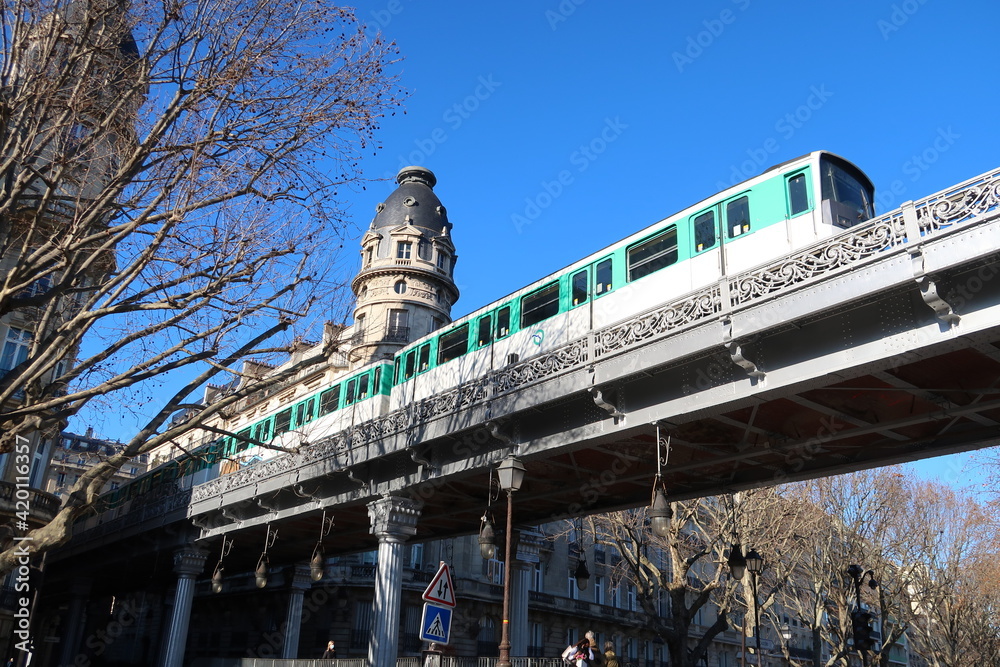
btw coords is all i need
(844, 188)
(377, 377)
(704, 231)
(304, 412)
(349, 392)
(540, 305)
(244, 440)
(652, 254)
(453, 344)
(282, 421)
(798, 198)
(424, 362)
(329, 400)
(409, 365)
(485, 336)
(363, 386)
(262, 431)
(579, 287)
(602, 275)
(503, 321)
(399, 364)
(738, 216)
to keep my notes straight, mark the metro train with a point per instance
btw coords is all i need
(789, 206)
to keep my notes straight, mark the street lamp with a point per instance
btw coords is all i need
(737, 568)
(755, 565)
(660, 514)
(582, 574)
(511, 474)
(786, 634)
(861, 619)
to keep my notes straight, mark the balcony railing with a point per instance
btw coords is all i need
(397, 335)
(42, 507)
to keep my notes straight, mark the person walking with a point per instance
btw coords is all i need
(598, 659)
(610, 657)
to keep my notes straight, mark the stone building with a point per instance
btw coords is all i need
(405, 288)
(74, 454)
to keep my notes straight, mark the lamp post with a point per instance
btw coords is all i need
(755, 565)
(786, 634)
(737, 568)
(861, 619)
(511, 474)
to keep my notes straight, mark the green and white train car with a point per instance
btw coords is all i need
(789, 206)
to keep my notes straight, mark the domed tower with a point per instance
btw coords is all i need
(405, 288)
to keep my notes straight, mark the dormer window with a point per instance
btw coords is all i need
(404, 249)
(443, 261)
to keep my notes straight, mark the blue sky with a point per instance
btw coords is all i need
(555, 128)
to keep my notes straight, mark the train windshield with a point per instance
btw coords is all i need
(842, 186)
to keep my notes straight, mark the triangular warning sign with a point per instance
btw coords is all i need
(441, 590)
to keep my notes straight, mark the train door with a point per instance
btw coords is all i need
(707, 259)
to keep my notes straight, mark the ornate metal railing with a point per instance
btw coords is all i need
(974, 200)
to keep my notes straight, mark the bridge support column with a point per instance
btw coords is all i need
(297, 587)
(188, 564)
(393, 521)
(522, 569)
(73, 628)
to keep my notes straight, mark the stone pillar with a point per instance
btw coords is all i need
(300, 582)
(522, 570)
(73, 629)
(188, 564)
(393, 521)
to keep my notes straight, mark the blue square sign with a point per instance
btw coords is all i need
(435, 626)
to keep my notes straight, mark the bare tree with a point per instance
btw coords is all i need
(952, 578)
(170, 181)
(684, 574)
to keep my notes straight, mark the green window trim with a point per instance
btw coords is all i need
(652, 253)
(540, 305)
(453, 344)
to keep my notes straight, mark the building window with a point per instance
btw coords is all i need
(15, 348)
(572, 592)
(399, 325)
(416, 557)
(443, 261)
(404, 249)
(362, 630)
(599, 589)
(494, 571)
(630, 602)
(538, 578)
(399, 287)
(487, 642)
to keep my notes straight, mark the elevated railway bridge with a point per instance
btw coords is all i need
(876, 346)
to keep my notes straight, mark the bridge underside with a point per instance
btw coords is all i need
(891, 360)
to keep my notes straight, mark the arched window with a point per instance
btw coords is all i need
(487, 643)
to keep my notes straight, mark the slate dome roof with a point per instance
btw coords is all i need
(414, 198)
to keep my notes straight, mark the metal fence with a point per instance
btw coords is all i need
(446, 661)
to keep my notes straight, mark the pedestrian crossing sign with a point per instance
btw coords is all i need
(435, 626)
